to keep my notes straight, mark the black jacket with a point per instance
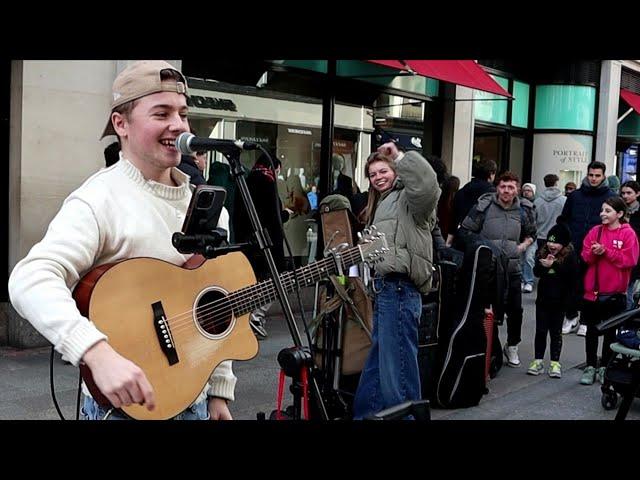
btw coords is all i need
(466, 197)
(188, 166)
(581, 211)
(264, 194)
(556, 285)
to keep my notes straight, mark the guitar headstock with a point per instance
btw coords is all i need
(373, 245)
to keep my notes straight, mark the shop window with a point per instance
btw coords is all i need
(566, 107)
(488, 146)
(629, 163)
(490, 107)
(262, 133)
(300, 173)
(520, 107)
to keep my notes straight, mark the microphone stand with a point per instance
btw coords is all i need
(264, 243)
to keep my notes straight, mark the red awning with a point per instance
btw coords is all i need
(633, 99)
(461, 72)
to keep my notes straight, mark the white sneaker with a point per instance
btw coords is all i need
(512, 355)
(569, 326)
(528, 288)
(582, 330)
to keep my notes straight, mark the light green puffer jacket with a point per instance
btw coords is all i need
(406, 214)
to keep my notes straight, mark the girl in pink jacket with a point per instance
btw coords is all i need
(610, 251)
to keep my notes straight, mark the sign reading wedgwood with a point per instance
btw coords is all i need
(212, 103)
(302, 115)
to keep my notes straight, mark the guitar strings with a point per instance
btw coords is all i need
(257, 291)
(236, 302)
(221, 318)
(215, 316)
(204, 345)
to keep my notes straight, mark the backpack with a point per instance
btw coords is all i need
(357, 324)
(347, 292)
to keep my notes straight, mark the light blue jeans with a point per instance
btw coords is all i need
(92, 411)
(391, 375)
(528, 262)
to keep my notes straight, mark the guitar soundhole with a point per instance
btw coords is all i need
(214, 312)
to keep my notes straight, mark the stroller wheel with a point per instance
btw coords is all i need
(609, 400)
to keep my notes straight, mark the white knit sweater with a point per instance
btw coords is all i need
(115, 215)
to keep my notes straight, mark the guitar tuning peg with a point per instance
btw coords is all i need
(374, 228)
(359, 235)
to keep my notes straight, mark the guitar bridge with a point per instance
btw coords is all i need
(163, 332)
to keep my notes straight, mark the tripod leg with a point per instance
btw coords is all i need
(316, 299)
(339, 335)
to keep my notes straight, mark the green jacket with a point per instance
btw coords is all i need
(406, 214)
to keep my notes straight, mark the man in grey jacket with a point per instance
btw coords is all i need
(508, 223)
(548, 206)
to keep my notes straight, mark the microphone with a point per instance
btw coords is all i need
(187, 144)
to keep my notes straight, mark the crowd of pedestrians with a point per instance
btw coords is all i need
(580, 245)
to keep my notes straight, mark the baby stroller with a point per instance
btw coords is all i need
(622, 376)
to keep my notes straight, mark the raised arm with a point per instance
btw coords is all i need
(420, 183)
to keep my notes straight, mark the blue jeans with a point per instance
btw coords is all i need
(528, 262)
(390, 375)
(630, 304)
(92, 411)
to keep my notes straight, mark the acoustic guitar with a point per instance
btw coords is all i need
(178, 323)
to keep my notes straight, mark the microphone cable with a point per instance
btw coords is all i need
(78, 396)
(53, 390)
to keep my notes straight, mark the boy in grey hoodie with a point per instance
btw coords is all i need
(548, 205)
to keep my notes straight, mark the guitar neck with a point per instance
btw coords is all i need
(248, 299)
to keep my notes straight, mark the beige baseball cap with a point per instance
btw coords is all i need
(139, 80)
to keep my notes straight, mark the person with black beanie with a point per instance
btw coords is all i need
(556, 266)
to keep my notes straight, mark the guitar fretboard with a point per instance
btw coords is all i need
(248, 299)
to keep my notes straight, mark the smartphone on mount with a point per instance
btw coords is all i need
(204, 210)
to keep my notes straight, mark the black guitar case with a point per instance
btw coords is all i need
(462, 341)
(435, 324)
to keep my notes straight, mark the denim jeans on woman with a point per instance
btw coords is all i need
(92, 411)
(391, 375)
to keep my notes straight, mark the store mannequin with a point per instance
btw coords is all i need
(303, 179)
(337, 166)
